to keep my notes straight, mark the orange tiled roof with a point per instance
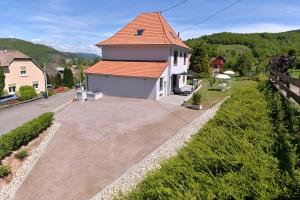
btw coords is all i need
(156, 31)
(146, 69)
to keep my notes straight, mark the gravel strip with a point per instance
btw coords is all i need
(132, 177)
(8, 191)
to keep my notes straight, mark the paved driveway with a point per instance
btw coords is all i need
(99, 141)
(12, 117)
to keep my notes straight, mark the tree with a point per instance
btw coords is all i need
(2, 80)
(58, 80)
(282, 63)
(244, 63)
(68, 78)
(200, 62)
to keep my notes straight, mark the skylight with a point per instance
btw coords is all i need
(139, 32)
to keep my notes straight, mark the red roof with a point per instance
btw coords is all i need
(156, 31)
(146, 69)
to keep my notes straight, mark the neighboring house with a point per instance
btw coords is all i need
(145, 59)
(21, 70)
(218, 63)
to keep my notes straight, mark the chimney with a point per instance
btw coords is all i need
(178, 34)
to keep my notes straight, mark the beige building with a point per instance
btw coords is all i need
(21, 70)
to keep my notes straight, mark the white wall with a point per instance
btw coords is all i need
(180, 67)
(136, 52)
(130, 87)
(166, 81)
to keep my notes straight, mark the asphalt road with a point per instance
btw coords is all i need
(12, 117)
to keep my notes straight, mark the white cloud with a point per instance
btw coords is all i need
(35, 40)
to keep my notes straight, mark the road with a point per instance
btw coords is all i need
(12, 117)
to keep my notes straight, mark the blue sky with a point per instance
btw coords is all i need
(76, 25)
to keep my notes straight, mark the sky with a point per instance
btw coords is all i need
(77, 25)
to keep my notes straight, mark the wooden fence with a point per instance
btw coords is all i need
(285, 82)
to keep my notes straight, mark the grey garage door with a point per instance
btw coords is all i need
(130, 87)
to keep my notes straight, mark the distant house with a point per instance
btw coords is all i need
(218, 63)
(146, 59)
(21, 70)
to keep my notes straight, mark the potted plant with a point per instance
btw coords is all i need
(196, 101)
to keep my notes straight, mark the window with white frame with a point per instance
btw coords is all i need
(12, 88)
(183, 79)
(23, 71)
(161, 82)
(35, 85)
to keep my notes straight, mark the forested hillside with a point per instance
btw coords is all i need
(42, 53)
(261, 45)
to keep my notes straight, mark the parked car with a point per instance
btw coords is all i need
(8, 98)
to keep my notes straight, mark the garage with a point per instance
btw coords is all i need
(131, 79)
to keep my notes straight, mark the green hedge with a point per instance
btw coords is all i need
(23, 134)
(232, 157)
(27, 92)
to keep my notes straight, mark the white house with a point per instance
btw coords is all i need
(145, 59)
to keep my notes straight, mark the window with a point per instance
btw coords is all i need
(139, 32)
(180, 54)
(23, 71)
(175, 57)
(184, 58)
(183, 79)
(12, 88)
(161, 82)
(35, 85)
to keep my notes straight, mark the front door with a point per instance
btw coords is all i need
(174, 81)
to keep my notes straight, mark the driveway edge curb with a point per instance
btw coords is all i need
(152, 161)
(8, 192)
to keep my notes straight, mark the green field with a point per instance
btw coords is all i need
(295, 73)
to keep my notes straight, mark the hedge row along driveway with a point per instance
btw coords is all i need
(23, 134)
(232, 157)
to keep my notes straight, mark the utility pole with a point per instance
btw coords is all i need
(46, 84)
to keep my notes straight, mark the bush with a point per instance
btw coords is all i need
(51, 92)
(22, 154)
(23, 134)
(196, 98)
(232, 157)
(26, 93)
(4, 171)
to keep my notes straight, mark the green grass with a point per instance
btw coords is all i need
(230, 158)
(295, 73)
(211, 96)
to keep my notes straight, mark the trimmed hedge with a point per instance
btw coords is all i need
(232, 157)
(23, 134)
(27, 92)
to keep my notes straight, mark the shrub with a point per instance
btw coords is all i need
(23, 134)
(230, 158)
(196, 98)
(51, 92)
(26, 93)
(22, 154)
(4, 171)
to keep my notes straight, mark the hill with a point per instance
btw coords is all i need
(261, 45)
(42, 53)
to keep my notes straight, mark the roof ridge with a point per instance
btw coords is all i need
(165, 33)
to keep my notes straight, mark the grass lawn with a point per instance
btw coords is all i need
(295, 73)
(210, 96)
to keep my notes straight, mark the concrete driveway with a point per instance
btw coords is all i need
(98, 142)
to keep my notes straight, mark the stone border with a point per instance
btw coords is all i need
(132, 177)
(7, 192)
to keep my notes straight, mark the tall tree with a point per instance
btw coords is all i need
(68, 78)
(200, 62)
(2, 80)
(58, 80)
(244, 63)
